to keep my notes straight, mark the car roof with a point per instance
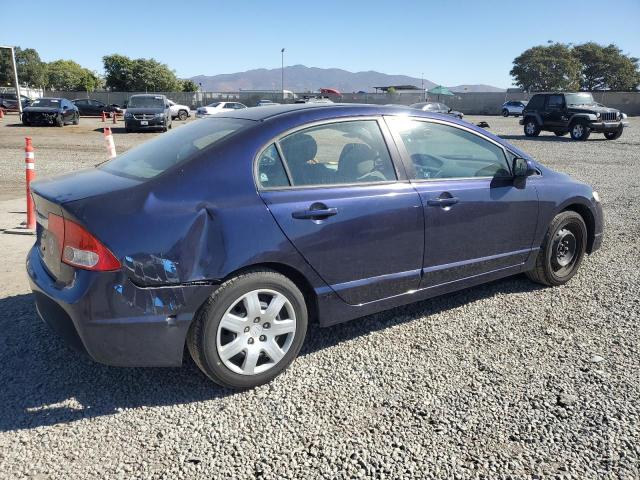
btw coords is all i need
(324, 110)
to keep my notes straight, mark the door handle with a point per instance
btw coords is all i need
(315, 213)
(442, 202)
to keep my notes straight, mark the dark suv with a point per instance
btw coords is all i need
(147, 111)
(574, 113)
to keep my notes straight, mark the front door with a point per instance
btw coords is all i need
(555, 112)
(334, 191)
(476, 219)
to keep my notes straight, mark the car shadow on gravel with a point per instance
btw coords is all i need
(119, 130)
(46, 383)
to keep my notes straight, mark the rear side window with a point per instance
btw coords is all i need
(169, 149)
(271, 172)
(338, 153)
(444, 151)
(536, 102)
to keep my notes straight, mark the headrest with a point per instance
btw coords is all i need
(299, 148)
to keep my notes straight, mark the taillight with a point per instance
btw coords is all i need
(79, 248)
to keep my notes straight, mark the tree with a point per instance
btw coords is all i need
(189, 86)
(391, 90)
(67, 75)
(546, 68)
(606, 68)
(31, 70)
(125, 74)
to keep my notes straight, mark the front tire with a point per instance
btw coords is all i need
(249, 330)
(580, 131)
(613, 135)
(531, 127)
(182, 115)
(562, 250)
(505, 112)
(76, 119)
(59, 121)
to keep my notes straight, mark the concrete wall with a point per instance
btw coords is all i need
(481, 103)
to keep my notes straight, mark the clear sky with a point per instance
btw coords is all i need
(451, 42)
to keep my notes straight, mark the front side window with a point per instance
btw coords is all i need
(444, 151)
(555, 101)
(338, 153)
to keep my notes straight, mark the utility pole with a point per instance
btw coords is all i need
(15, 78)
(282, 73)
(423, 93)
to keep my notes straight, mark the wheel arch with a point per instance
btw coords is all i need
(589, 220)
(292, 274)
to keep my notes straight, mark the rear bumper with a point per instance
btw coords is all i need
(114, 321)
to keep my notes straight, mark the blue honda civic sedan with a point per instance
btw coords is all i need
(231, 234)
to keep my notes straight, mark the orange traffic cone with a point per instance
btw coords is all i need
(104, 117)
(1, 113)
(108, 140)
(115, 117)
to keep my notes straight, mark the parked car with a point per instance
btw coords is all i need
(181, 112)
(51, 111)
(218, 107)
(265, 103)
(8, 101)
(147, 112)
(218, 236)
(89, 107)
(574, 113)
(436, 107)
(513, 107)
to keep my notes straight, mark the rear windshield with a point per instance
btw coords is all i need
(146, 102)
(169, 149)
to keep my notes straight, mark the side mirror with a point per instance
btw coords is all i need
(166, 105)
(522, 167)
(64, 107)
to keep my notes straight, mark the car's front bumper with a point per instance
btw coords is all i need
(113, 320)
(601, 127)
(153, 123)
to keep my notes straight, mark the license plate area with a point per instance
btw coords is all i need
(144, 122)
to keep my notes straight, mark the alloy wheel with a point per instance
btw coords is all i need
(256, 332)
(531, 128)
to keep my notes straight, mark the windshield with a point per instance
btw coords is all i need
(46, 102)
(579, 99)
(155, 156)
(146, 102)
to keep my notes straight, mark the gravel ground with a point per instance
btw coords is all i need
(506, 380)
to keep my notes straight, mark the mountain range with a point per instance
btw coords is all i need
(299, 78)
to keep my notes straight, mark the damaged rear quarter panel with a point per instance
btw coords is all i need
(197, 223)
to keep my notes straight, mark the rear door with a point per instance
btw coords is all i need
(476, 219)
(336, 194)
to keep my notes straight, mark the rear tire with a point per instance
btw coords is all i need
(531, 127)
(76, 119)
(613, 135)
(243, 304)
(59, 121)
(562, 250)
(580, 131)
(505, 112)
